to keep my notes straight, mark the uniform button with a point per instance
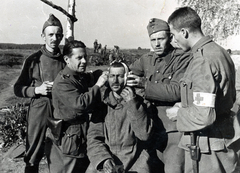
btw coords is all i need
(156, 81)
(169, 77)
(157, 71)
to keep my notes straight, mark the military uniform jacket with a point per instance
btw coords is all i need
(40, 66)
(162, 80)
(116, 132)
(207, 93)
(72, 101)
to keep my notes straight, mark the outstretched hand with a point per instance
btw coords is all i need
(109, 166)
(102, 79)
(135, 81)
(172, 112)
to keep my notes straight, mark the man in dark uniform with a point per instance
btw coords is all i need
(159, 72)
(95, 46)
(35, 82)
(207, 96)
(72, 102)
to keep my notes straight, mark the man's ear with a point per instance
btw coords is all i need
(43, 36)
(185, 32)
(66, 58)
(62, 35)
(171, 38)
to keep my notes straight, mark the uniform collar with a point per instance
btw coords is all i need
(201, 43)
(110, 100)
(167, 57)
(55, 55)
(69, 71)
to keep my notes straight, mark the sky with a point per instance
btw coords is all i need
(111, 22)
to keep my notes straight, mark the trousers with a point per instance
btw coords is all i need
(38, 111)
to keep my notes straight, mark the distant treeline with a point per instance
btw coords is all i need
(21, 46)
(14, 54)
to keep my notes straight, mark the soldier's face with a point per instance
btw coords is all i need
(52, 37)
(78, 60)
(180, 38)
(116, 79)
(160, 42)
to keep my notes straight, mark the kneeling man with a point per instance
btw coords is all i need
(119, 128)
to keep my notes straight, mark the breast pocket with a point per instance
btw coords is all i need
(186, 92)
(148, 74)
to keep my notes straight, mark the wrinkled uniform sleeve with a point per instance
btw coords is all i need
(22, 87)
(97, 149)
(137, 67)
(168, 86)
(201, 79)
(141, 122)
(73, 97)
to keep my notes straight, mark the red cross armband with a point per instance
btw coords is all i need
(204, 99)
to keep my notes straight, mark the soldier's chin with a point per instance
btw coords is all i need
(159, 52)
(81, 70)
(115, 88)
(54, 46)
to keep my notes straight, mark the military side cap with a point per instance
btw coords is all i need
(156, 25)
(52, 21)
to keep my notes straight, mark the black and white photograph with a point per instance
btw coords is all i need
(120, 86)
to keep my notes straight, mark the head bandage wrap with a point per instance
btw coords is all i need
(126, 69)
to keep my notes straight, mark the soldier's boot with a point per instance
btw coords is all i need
(31, 168)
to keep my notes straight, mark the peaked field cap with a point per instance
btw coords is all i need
(156, 25)
(52, 21)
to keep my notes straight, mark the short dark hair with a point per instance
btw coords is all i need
(119, 64)
(185, 17)
(67, 49)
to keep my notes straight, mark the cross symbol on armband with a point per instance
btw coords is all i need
(198, 98)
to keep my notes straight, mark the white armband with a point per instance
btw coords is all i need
(204, 99)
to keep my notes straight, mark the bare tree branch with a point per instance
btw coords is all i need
(72, 18)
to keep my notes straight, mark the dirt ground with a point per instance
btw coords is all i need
(8, 165)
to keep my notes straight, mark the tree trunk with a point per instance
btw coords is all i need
(70, 24)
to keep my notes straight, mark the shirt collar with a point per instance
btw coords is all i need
(110, 100)
(55, 55)
(167, 57)
(69, 71)
(204, 40)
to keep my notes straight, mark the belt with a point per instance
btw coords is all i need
(76, 121)
(159, 103)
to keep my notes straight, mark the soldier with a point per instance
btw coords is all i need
(159, 73)
(104, 50)
(95, 46)
(111, 57)
(35, 82)
(72, 102)
(119, 127)
(208, 93)
(99, 48)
